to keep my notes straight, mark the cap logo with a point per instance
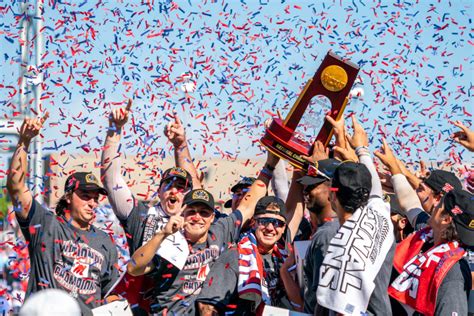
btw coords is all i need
(200, 195)
(471, 224)
(178, 171)
(456, 210)
(447, 187)
(90, 178)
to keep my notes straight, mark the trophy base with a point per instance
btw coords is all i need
(279, 140)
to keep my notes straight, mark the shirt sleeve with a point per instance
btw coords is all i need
(39, 220)
(280, 181)
(407, 198)
(119, 193)
(228, 227)
(220, 286)
(366, 159)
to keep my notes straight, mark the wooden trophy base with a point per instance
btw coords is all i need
(280, 140)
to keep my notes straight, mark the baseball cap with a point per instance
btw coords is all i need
(245, 182)
(460, 205)
(177, 172)
(322, 171)
(353, 181)
(84, 181)
(262, 204)
(199, 196)
(443, 181)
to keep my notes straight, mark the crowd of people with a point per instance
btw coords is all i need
(382, 240)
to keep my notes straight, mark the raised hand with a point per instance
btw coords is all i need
(465, 136)
(360, 136)
(388, 158)
(31, 127)
(175, 133)
(174, 224)
(319, 153)
(118, 117)
(338, 126)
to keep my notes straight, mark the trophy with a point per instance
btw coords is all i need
(333, 80)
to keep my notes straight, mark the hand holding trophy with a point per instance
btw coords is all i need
(334, 80)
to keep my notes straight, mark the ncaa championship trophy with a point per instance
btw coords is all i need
(334, 80)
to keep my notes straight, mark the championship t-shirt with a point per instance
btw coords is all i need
(176, 290)
(81, 262)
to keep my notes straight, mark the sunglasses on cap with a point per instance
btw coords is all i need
(265, 221)
(179, 184)
(241, 193)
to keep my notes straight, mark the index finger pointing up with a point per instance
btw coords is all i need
(129, 105)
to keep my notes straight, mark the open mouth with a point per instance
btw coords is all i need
(173, 200)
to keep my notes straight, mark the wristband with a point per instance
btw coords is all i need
(267, 173)
(271, 168)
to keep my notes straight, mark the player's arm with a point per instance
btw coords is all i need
(120, 196)
(176, 134)
(141, 262)
(16, 179)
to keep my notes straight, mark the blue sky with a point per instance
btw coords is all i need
(248, 59)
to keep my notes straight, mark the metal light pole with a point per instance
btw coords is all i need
(31, 79)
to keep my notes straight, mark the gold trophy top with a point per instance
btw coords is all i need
(334, 78)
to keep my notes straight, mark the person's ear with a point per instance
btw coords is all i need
(253, 223)
(447, 219)
(402, 223)
(69, 198)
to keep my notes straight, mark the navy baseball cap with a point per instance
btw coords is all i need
(179, 173)
(199, 196)
(443, 181)
(84, 181)
(460, 205)
(322, 171)
(245, 182)
(352, 180)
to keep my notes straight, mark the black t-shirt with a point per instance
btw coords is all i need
(80, 262)
(176, 290)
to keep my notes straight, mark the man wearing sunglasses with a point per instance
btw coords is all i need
(253, 274)
(176, 289)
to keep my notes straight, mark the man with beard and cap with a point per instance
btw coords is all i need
(317, 186)
(67, 252)
(139, 220)
(434, 275)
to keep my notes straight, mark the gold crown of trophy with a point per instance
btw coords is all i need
(334, 80)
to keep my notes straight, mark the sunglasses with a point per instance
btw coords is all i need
(239, 194)
(180, 186)
(268, 220)
(202, 213)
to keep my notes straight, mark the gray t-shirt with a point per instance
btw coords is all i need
(176, 289)
(313, 260)
(77, 261)
(220, 288)
(453, 293)
(379, 302)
